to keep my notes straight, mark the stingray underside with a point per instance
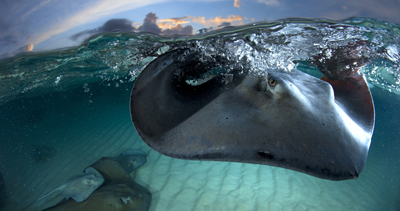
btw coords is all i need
(285, 119)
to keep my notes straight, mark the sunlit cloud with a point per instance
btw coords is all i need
(26, 48)
(170, 23)
(176, 20)
(270, 2)
(169, 26)
(236, 3)
(214, 22)
(178, 29)
(151, 24)
(173, 23)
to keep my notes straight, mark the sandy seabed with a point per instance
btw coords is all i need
(85, 135)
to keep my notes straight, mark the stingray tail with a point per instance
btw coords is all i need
(47, 194)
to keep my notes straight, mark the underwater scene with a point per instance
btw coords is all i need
(68, 141)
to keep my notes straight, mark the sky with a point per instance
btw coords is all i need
(27, 25)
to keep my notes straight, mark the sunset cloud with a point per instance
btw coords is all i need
(150, 24)
(168, 26)
(176, 24)
(214, 22)
(236, 3)
(172, 23)
(176, 20)
(178, 29)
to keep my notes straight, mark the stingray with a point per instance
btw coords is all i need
(119, 191)
(321, 127)
(78, 187)
(131, 159)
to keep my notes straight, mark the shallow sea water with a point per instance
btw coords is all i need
(75, 102)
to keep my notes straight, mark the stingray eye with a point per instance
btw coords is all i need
(90, 181)
(272, 82)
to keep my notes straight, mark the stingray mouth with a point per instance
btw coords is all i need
(196, 68)
(196, 71)
(195, 78)
(199, 78)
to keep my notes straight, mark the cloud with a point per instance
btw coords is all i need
(173, 23)
(214, 22)
(83, 34)
(270, 2)
(26, 48)
(9, 39)
(23, 49)
(178, 29)
(169, 26)
(112, 25)
(149, 24)
(225, 24)
(236, 3)
(117, 25)
(173, 26)
(176, 20)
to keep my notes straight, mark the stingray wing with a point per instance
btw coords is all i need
(291, 120)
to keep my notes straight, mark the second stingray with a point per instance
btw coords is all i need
(79, 187)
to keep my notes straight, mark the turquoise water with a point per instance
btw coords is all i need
(74, 104)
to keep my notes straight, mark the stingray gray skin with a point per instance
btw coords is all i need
(131, 159)
(80, 187)
(287, 119)
(119, 192)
